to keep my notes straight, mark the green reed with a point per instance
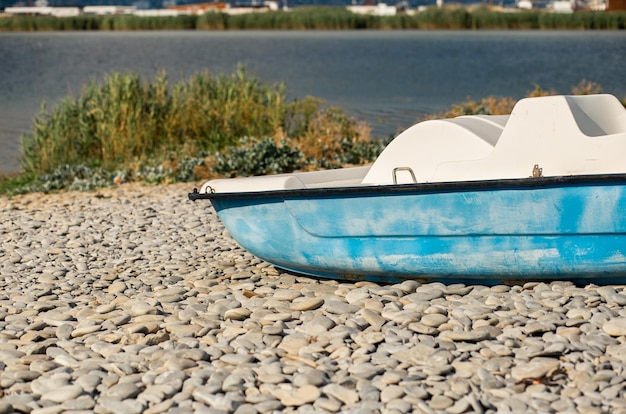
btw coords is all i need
(125, 119)
(330, 18)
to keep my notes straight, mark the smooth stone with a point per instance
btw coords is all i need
(216, 401)
(373, 337)
(615, 327)
(305, 395)
(184, 330)
(238, 314)
(440, 402)
(106, 349)
(310, 377)
(307, 304)
(617, 298)
(328, 404)
(537, 368)
(62, 394)
(85, 330)
(465, 369)
(43, 385)
(193, 354)
(538, 328)
(173, 378)
(42, 366)
(475, 335)
(123, 391)
(459, 407)
(365, 370)
(373, 318)
(434, 319)
(427, 293)
(341, 393)
(82, 403)
(579, 313)
(120, 407)
(236, 359)
(141, 308)
(391, 393)
(88, 382)
(270, 406)
(19, 402)
(617, 352)
(179, 364)
(64, 331)
(420, 328)
(294, 342)
(106, 308)
(315, 326)
(233, 383)
(285, 294)
(340, 308)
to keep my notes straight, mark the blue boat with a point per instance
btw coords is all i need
(537, 194)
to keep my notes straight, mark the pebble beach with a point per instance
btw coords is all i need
(134, 299)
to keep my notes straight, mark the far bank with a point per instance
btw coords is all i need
(330, 18)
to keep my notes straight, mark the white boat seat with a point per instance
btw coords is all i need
(424, 146)
(562, 135)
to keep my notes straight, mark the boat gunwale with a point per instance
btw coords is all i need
(423, 188)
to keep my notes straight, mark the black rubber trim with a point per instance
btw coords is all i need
(422, 188)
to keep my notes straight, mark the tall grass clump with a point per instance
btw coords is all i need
(106, 124)
(125, 119)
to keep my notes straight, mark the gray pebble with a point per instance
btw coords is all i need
(123, 391)
(63, 394)
(440, 402)
(139, 301)
(615, 327)
(537, 368)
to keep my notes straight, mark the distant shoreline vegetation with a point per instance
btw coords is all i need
(329, 18)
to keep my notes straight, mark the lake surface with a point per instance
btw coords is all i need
(388, 78)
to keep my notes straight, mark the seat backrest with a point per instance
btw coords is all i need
(597, 115)
(421, 148)
(563, 135)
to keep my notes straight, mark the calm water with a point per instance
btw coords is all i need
(389, 79)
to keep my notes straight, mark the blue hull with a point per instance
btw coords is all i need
(548, 228)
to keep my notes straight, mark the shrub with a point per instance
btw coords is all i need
(504, 105)
(158, 132)
(258, 158)
(267, 156)
(72, 177)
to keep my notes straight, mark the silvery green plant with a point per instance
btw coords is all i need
(68, 177)
(258, 158)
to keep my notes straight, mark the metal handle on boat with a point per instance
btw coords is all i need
(395, 174)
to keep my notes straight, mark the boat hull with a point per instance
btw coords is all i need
(546, 228)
